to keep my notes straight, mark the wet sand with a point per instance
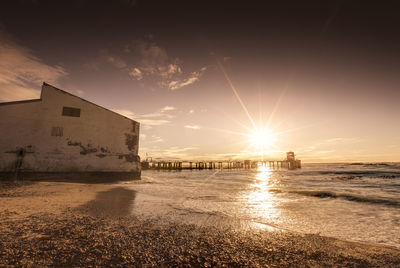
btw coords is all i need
(77, 224)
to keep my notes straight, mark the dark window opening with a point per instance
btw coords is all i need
(69, 111)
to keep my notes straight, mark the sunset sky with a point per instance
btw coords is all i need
(320, 77)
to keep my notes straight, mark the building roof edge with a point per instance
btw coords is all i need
(63, 91)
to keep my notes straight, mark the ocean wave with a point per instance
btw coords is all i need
(190, 210)
(390, 176)
(352, 174)
(372, 164)
(349, 197)
(346, 178)
(203, 197)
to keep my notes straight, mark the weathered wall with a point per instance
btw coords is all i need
(99, 140)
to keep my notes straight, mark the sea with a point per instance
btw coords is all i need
(354, 202)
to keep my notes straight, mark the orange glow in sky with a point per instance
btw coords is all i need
(220, 81)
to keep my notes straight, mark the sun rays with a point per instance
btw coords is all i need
(260, 139)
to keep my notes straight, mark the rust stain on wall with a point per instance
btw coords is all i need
(84, 149)
(104, 150)
(131, 141)
(132, 158)
(135, 127)
(70, 143)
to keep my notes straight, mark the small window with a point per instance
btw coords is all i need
(69, 111)
(57, 131)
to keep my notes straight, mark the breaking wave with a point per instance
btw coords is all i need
(355, 174)
(349, 197)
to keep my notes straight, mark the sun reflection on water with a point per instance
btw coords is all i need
(260, 198)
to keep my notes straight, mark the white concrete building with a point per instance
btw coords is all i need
(63, 136)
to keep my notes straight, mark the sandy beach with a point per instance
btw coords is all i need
(78, 224)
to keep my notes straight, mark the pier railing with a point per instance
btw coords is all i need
(244, 164)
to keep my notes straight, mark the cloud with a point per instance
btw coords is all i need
(173, 85)
(145, 61)
(227, 59)
(156, 139)
(107, 57)
(317, 150)
(126, 113)
(193, 77)
(146, 127)
(192, 127)
(137, 74)
(116, 62)
(155, 64)
(92, 65)
(154, 122)
(168, 108)
(21, 72)
(158, 118)
(340, 140)
(143, 119)
(173, 152)
(79, 92)
(177, 149)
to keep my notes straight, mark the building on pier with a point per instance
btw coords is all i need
(292, 162)
(290, 156)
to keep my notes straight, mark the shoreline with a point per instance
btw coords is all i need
(58, 223)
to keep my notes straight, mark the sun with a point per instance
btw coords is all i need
(262, 138)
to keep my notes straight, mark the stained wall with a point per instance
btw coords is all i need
(57, 137)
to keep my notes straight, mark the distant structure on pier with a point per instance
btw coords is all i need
(62, 135)
(290, 156)
(291, 161)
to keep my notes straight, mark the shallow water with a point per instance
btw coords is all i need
(350, 202)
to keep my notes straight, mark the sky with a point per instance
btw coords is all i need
(220, 79)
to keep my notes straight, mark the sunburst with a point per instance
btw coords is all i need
(261, 137)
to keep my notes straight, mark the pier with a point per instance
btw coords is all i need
(289, 163)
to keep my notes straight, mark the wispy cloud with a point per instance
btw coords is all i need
(316, 146)
(154, 122)
(173, 152)
(126, 113)
(21, 72)
(157, 118)
(168, 108)
(79, 92)
(341, 140)
(193, 77)
(116, 62)
(107, 57)
(156, 139)
(192, 127)
(136, 74)
(325, 149)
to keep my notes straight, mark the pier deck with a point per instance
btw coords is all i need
(244, 164)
